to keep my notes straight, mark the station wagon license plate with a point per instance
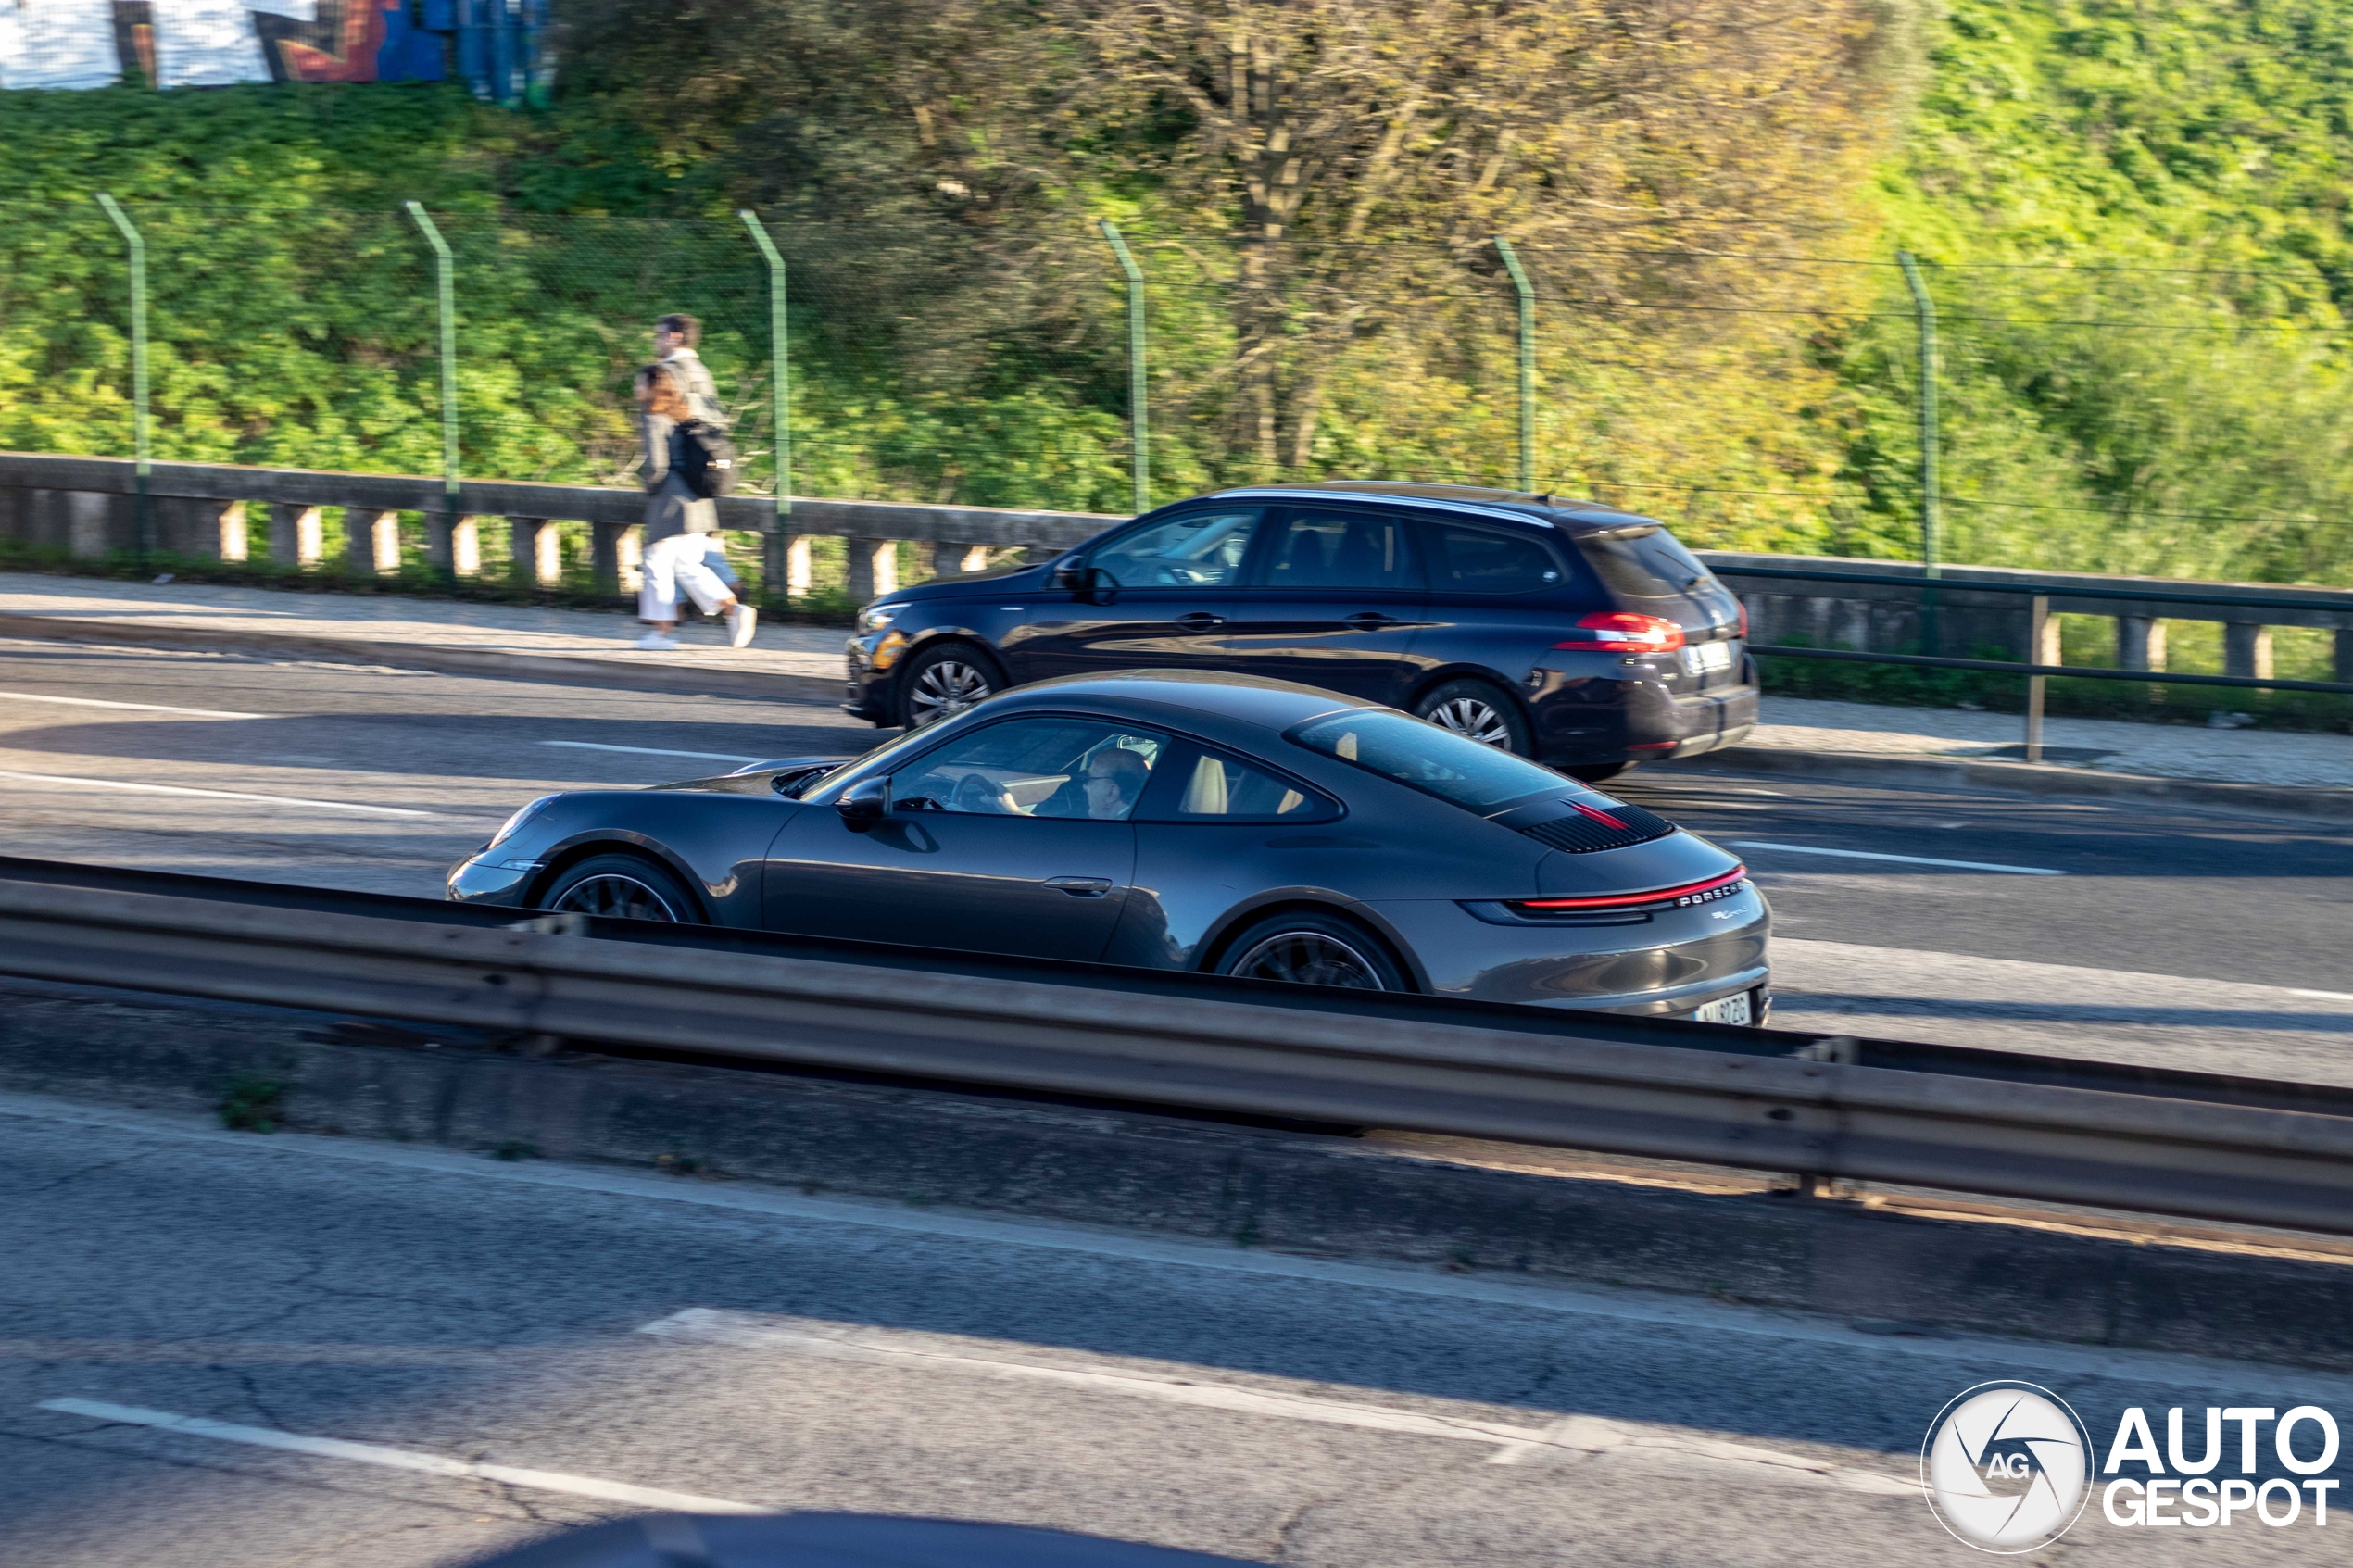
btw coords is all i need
(1724, 1009)
(1707, 659)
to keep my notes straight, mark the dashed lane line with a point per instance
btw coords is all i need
(1901, 860)
(400, 1459)
(129, 788)
(651, 751)
(1513, 1444)
(130, 706)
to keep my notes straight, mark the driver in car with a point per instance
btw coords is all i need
(1114, 779)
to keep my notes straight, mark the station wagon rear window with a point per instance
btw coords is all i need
(1648, 564)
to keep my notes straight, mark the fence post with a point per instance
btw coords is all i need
(445, 291)
(1931, 507)
(775, 557)
(1527, 365)
(2038, 639)
(142, 526)
(1138, 399)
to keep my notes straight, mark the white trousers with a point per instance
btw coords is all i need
(679, 561)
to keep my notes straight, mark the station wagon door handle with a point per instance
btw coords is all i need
(1199, 621)
(1081, 887)
(1369, 619)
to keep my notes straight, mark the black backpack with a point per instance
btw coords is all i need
(705, 458)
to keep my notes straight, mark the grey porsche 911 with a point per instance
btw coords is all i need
(1179, 820)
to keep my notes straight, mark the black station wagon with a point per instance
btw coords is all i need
(1566, 630)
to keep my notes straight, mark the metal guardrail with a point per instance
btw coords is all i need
(2184, 1143)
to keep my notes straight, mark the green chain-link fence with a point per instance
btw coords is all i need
(2097, 419)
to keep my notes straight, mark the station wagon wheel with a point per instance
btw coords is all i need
(1307, 949)
(619, 887)
(944, 680)
(1477, 711)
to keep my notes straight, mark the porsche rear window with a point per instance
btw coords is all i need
(1472, 775)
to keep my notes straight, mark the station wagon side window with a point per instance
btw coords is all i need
(1332, 548)
(1198, 549)
(1467, 560)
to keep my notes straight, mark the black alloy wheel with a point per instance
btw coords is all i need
(620, 887)
(942, 682)
(1307, 949)
(1478, 710)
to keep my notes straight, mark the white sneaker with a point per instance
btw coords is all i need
(740, 621)
(657, 641)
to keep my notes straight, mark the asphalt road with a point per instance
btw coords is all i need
(2174, 937)
(753, 1347)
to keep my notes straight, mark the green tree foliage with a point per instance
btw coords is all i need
(2138, 217)
(2132, 217)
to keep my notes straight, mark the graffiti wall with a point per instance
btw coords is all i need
(81, 44)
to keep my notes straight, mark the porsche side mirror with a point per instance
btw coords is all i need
(864, 804)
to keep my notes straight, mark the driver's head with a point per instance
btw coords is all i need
(1116, 776)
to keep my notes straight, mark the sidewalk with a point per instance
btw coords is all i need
(430, 634)
(2092, 745)
(580, 644)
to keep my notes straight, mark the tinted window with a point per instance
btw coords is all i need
(1034, 768)
(1210, 787)
(1651, 564)
(1336, 549)
(1479, 561)
(1483, 778)
(1191, 551)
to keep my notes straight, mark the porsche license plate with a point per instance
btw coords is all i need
(1724, 1009)
(1707, 659)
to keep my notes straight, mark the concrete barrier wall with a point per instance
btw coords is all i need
(86, 507)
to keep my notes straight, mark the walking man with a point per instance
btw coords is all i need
(680, 526)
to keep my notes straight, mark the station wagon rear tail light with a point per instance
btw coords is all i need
(1618, 631)
(1659, 897)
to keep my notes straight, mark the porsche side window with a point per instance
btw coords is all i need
(1034, 768)
(1211, 787)
(1191, 550)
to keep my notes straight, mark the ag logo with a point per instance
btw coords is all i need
(2007, 1467)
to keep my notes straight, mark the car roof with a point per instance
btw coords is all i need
(1559, 511)
(1252, 700)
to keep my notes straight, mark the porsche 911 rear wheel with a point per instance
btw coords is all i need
(619, 887)
(1313, 950)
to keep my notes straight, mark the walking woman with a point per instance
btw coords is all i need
(678, 525)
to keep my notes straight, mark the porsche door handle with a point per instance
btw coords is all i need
(1081, 887)
(1371, 621)
(1199, 621)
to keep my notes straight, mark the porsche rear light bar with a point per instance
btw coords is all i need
(1674, 898)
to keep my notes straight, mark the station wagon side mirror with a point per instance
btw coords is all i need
(1075, 579)
(864, 804)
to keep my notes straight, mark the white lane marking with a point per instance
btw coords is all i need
(2323, 996)
(651, 751)
(825, 1341)
(213, 794)
(1903, 860)
(134, 707)
(1608, 1303)
(401, 1459)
